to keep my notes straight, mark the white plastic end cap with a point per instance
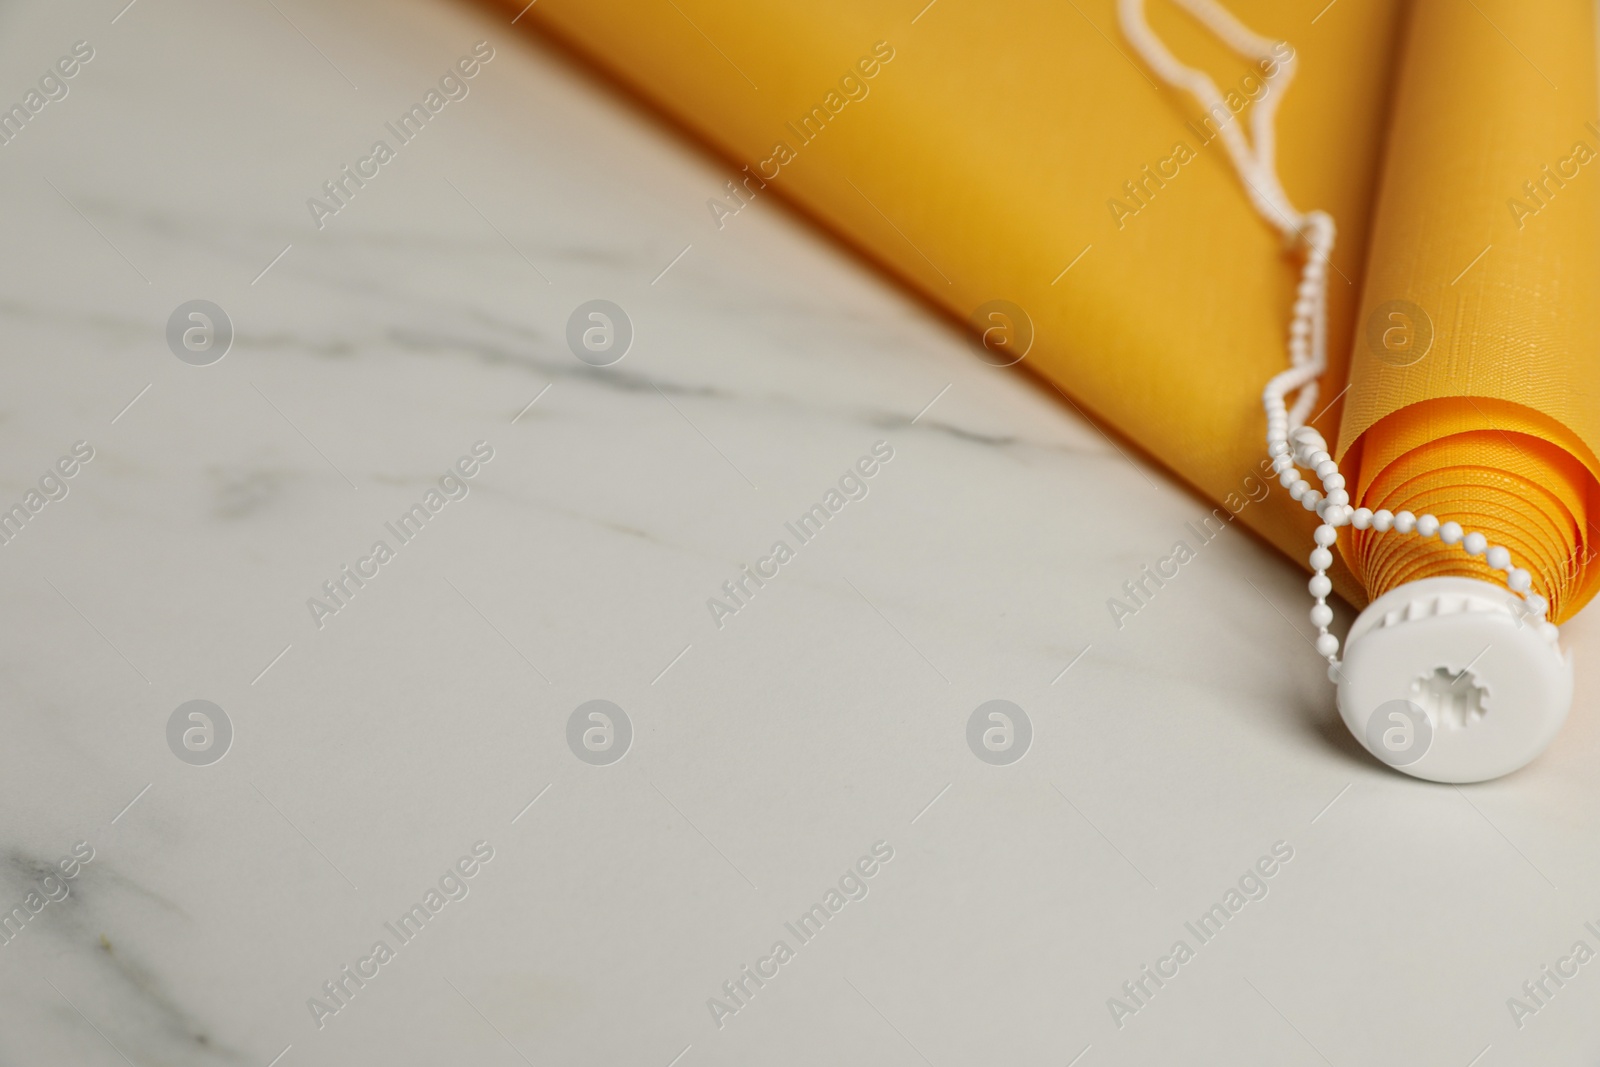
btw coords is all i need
(1450, 679)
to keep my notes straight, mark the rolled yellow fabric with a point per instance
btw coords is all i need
(1019, 152)
(1475, 390)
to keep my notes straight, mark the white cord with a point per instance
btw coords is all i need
(1255, 160)
(1290, 442)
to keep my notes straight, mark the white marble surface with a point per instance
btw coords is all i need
(828, 715)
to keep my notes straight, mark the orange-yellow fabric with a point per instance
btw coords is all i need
(1487, 237)
(979, 151)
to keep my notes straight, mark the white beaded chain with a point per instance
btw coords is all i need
(1293, 445)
